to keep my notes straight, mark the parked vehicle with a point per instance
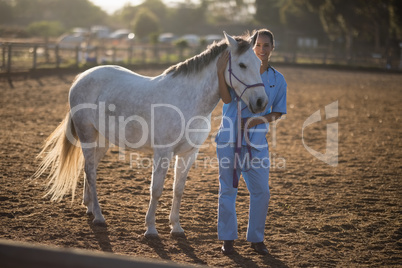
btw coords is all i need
(192, 39)
(213, 37)
(121, 34)
(70, 40)
(167, 38)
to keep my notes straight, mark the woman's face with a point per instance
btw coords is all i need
(263, 47)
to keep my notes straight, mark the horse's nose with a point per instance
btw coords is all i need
(258, 103)
(261, 103)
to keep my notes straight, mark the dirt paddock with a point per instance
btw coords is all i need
(320, 215)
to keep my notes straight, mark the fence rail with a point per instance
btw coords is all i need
(25, 57)
(20, 255)
(18, 57)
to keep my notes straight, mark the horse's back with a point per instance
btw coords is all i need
(96, 81)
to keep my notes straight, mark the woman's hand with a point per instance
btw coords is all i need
(250, 122)
(222, 62)
(253, 121)
(221, 65)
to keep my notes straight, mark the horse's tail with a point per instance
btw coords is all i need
(62, 154)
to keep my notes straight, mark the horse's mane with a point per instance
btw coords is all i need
(199, 62)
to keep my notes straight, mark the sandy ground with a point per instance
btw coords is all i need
(320, 215)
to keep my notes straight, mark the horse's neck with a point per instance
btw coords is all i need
(204, 89)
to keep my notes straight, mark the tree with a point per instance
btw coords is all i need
(267, 13)
(157, 7)
(363, 20)
(128, 13)
(145, 23)
(78, 13)
(72, 13)
(224, 11)
(45, 29)
(186, 18)
(181, 44)
(6, 12)
(289, 20)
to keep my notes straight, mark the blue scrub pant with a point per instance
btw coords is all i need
(255, 171)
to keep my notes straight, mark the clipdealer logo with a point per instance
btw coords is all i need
(331, 150)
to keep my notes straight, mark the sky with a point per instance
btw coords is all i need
(110, 6)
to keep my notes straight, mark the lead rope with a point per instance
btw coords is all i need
(239, 128)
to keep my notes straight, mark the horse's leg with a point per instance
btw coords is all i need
(92, 158)
(87, 200)
(160, 168)
(86, 196)
(89, 137)
(182, 166)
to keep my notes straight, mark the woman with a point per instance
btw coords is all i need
(253, 161)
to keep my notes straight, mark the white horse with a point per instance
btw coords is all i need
(168, 114)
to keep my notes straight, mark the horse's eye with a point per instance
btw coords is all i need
(242, 65)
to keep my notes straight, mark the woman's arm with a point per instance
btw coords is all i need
(278, 106)
(271, 117)
(221, 67)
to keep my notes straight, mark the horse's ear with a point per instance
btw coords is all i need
(230, 40)
(253, 37)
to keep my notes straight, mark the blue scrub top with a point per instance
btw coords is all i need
(275, 88)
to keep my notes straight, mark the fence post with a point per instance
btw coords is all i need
(35, 55)
(144, 54)
(130, 54)
(56, 52)
(3, 56)
(114, 55)
(156, 52)
(96, 54)
(171, 52)
(9, 58)
(77, 56)
(400, 60)
(294, 59)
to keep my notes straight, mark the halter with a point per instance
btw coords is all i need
(239, 128)
(232, 74)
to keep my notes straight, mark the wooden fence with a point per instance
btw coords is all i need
(17, 58)
(21, 255)
(22, 57)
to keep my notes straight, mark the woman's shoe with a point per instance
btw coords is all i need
(227, 247)
(260, 248)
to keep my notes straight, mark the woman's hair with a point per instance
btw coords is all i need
(266, 32)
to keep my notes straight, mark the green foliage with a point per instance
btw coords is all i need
(45, 29)
(71, 13)
(224, 11)
(363, 21)
(14, 31)
(157, 7)
(185, 18)
(146, 23)
(126, 15)
(6, 12)
(345, 22)
(153, 38)
(181, 44)
(267, 12)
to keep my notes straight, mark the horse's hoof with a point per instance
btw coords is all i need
(178, 234)
(99, 223)
(151, 232)
(151, 236)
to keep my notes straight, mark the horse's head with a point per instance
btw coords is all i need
(243, 74)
